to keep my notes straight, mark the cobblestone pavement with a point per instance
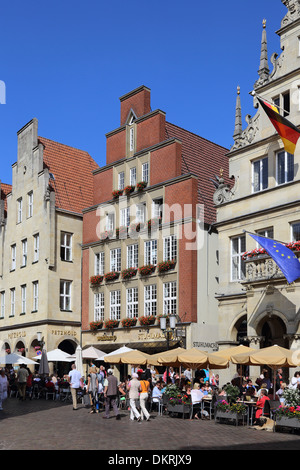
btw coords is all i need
(53, 425)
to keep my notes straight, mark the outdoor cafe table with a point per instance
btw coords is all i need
(250, 411)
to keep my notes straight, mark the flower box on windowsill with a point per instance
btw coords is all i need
(116, 193)
(146, 321)
(128, 322)
(128, 190)
(153, 223)
(141, 185)
(147, 269)
(128, 273)
(109, 324)
(95, 281)
(96, 325)
(111, 276)
(288, 422)
(165, 266)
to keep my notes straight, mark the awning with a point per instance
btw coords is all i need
(149, 347)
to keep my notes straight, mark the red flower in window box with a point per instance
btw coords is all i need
(111, 276)
(109, 324)
(96, 325)
(128, 322)
(145, 321)
(117, 192)
(166, 265)
(147, 269)
(128, 190)
(141, 185)
(128, 273)
(96, 280)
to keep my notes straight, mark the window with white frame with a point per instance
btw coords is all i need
(260, 174)
(110, 221)
(133, 176)
(145, 172)
(132, 302)
(30, 204)
(115, 305)
(36, 247)
(150, 300)
(170, 248)
(66, 246)
(265, 232)
(121, 180)
(238, 248)
(2, 304)
(150, 252)
(13, 251)
(170, 298)
(35, 296)
(99, 306)
(65, 295)
(284, 167)
(157, 208)
(23, 298)
(24, 253)
(131, 139)
(99, 263)
(140, 214)
(125, 217)
(115, 259)
(19, 210)
(295, 231)
(12, 302)
(132, 256)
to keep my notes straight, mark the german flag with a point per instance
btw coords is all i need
(288, 133)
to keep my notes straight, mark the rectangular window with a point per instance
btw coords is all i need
(65, 295)
(150, 300)
(115, 259)
(238, 248)
(157, 208)
(19, 210)
(170, 298)
(285, 167)
(2, 304)
(35, 296)
(170, 248)
(23, 298)
(266, 232)
(24, 252)
(66, 246)
(13, 257)
(125, 217)
(110, 221)
(99, 306)
(30, 204)
(132, 302)
(132, 256)
(12, 302)
(295, 232)
(145, 172)
(131, 139)
(121, 180)
(36, 247)
(260, 175)
(151, 252)
(115, 305)
(286, 104)
(99, 263)
(140, 213)
(133, 176)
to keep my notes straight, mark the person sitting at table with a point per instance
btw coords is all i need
(243, 390)
(157, 393)
(263, 387)
(200, 394)
(260, 404)
(250, 388)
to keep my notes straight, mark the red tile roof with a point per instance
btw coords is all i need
(5, 190)
(204, 159)
(72, 170)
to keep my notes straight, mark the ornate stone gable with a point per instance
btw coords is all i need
(293, 14)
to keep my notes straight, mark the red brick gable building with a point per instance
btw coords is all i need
(176, 166)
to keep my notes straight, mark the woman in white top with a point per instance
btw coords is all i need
(3, 387)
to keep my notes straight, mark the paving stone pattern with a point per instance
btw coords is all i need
(41, 424)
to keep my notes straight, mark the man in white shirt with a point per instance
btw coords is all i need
(74, 379)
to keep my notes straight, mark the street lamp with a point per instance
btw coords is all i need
(168, 331)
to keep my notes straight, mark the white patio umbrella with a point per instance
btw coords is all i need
(118, 351)
(14, 358)
(57, 355)
(92, 353)
(78, 360)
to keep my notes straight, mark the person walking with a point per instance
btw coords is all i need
(144, 395)
(3, 387)
(92, 388)
(74, 380)
(110, 394)
(22, 376)
(134, 393)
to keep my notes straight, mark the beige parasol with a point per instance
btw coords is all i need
(154, 358)
(133, 357)
(223, 357)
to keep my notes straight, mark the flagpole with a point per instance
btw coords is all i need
(262, 236)
(264, 99)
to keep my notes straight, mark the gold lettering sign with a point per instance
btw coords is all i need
(150, 336)
(107, 338)
(64, 333)
(17, 334)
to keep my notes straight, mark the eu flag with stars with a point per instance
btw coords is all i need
(283, 257)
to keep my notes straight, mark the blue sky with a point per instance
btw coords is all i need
(66, 63)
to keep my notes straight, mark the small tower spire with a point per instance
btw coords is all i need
(238, 116)
(264, 70)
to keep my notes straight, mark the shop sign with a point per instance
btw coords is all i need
(64, 333)
(17, 334)
(107, 338)
(150, 336)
